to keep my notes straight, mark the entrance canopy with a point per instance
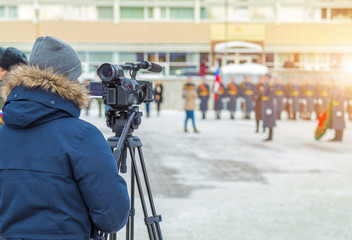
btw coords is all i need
(237, 47)
(245, 69)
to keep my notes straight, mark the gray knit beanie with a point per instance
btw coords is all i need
(50, 52)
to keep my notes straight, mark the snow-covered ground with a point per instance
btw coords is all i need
(225, 183)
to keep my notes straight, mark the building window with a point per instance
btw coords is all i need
(262, 13)
(181, 13)
(269, 60)
(239, 14)
(150, 12)
(132, 13)
(163, 13)
(324, 13)
(292, 14)
(100, 57)
(152, 57)
(341, 14)
(203, 13)
(183, 57)
(162, 57)
(183, 70)
(105, 13)
(215, 13)
(82, 56)
(130, 57)
(8, 12)
(76, 12)
(2, 12)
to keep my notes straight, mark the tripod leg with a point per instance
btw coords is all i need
(151, 201)
(130, 224)
(151, 233)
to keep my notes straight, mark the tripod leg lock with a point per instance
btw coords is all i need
(152, 220)
(132, 212)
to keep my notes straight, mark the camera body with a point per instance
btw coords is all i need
(118, 91)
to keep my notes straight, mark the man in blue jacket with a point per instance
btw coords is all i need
(58, 177)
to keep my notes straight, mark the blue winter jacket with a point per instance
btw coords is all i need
(58, 177)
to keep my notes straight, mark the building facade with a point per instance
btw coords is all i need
(311, 36)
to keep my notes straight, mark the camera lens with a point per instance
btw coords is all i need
(107, 71)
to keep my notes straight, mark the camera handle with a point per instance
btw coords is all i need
(123, 143)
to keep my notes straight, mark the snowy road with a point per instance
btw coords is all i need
(225, 183)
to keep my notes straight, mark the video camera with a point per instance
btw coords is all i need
(120, 92)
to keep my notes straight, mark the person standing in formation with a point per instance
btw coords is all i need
(258, 98)
(308, 90)
(337, 97)
(233, 92)
(248, 90)
(190, 95)
(220, 94)
(203, 93)
(322, 95)
(158, 95)
(349, 101)
(292, 94)
(279, 96)
(269, 108)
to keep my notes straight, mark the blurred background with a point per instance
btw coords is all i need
(187, 37)
(223, 183)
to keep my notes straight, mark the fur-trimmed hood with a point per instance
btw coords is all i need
(33, 97)
(32, 77)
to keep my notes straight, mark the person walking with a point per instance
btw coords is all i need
(203, 93)
(269, 108)
(190, 95)
(58, 176)
(158, 95)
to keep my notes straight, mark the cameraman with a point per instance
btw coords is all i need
(58, 177)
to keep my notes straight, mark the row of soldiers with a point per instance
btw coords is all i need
(297, 99)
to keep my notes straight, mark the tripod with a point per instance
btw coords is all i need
(123, 122)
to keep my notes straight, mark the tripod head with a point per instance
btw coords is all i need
(123, 122)
(116, 119)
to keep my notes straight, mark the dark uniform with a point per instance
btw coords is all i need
(258, 107)
(308, 95)
(203, 93)
(233, 92)
(293, 92)
(218, 105)
(279, 97)
(338, 111)
(269, 108)
(349, 101)
(322, 96)
(248, 90)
